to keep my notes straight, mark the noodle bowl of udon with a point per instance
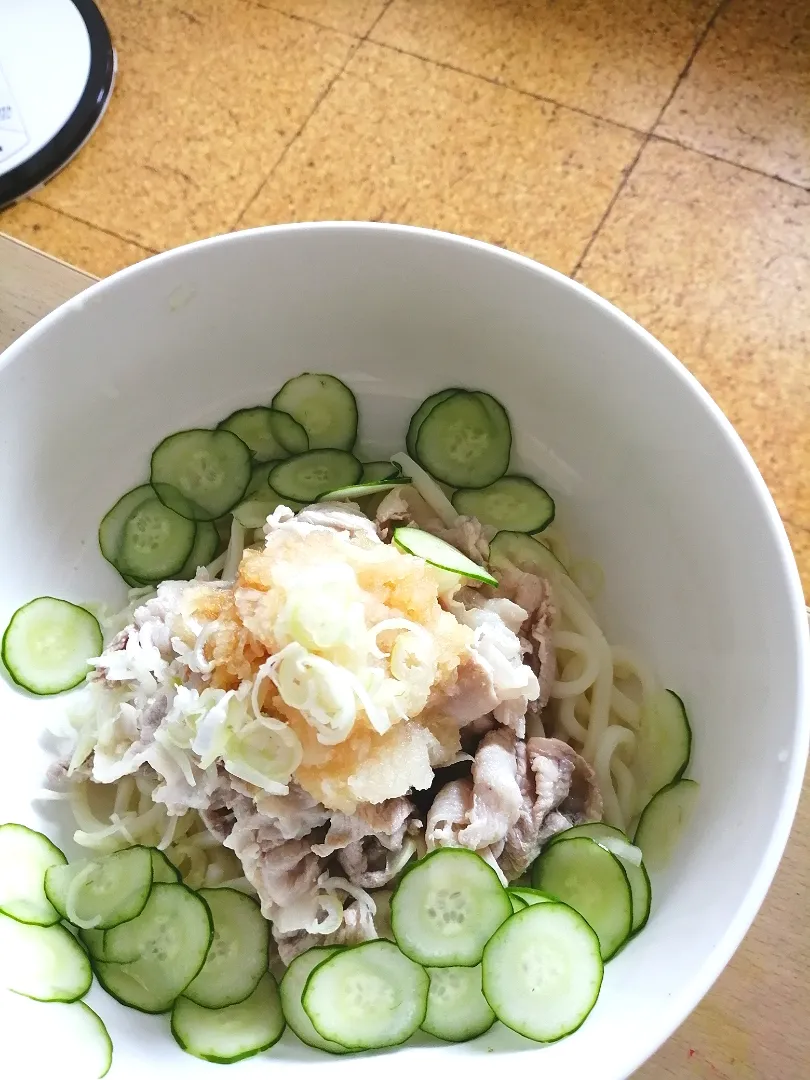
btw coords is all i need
(677, 572)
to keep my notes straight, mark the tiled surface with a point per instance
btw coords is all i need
(714, 261)
(747, 95)
(399, 139)
(617, 60)
(469, 115)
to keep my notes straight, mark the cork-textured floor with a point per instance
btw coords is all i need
(657, 150)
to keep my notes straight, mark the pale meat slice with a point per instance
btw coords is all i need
(405, 506)
(497, 797)
(534, 595)
(358, 925)
(386, 821)
(449, 814)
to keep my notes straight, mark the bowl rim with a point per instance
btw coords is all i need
(704, 977)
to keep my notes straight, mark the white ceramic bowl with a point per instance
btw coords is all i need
(649, 479)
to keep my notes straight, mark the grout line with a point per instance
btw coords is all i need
(350, 55)
(728, 161)
(648, 136)
(92, 225)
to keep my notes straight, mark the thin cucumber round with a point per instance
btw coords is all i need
(591, 880)
(375, 472)
(163, 869)
(237, 958)
(43, 962)
(325, 408)
(234, 1032)
(367, 997)
(447, 907)
(291, 990)
(306, 476)
(201, 474)
(99, 894)
(517, 902)
(111, 529)
(93, 941)
(359, 491)
(640, 889)
(155, 543)
(457, 1009)
(542, 971)
(289, 433)
(529, 896)
(663, 744)
(25, 856)
(260, 478)
(256, 430)
(203, 550)
(69, 1039)
(421, 413)
(47, 644)
(514, 503)
(439, 553)
(517, 549)
(465, 440)
(663, 821)
(254, 511)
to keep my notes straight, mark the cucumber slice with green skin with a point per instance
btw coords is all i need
(260, 478)
(517, 549)
(367, 997)
(465, 440)
(101, 893)
(593, 882)
(439, 553)
(72, 1040)
(374, 472)
(291, 990)
(163, 869)
(203, 550)
(111, 529)
(47, 644)
(360, 491)
(663, 821)
(514, 503)
(304, 477)
(155, 543)
(663, 745)
(325, 408)
(289, 433)
(237, 958)
(457, 1010)
(639, 879)
(93, 941)
(234, 1032)
(256, 429)
(517, 902)
(26, 856)
(421, 413)
(447, 907)
(529, 896)
(45, 963)
(170, 939)
(254, 511)
(201, 474)
(542, 971)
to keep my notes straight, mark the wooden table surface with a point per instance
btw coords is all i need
(753, 1025)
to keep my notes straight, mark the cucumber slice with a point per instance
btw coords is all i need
(237, 958)
(514, 503)
(111, 529)
(291, 990)
(517, 549)
(517, 902)
(233, 1032)
(47, 644)
(289, 433)
(367, 997)
(304, 477)
(466, 440)
(593, 882)
(663, 821)
(93, 941)
(71, 1040)
(155, 543)
(360, 491)
(260, 478)
(457, 1009)
(26, 856)
(163, 869)
(254, 511)
(663, 745)
(529, 896)
(374, 472)
(256, 430)
(170, 939)
(439, 553)
(43, 962)
(99, 894)
(325, 408)
(640, 889)
(542, 972)
(421, 413)
(203, 550)
(201, 474)
(447, 907)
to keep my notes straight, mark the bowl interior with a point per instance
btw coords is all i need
(649, 481)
